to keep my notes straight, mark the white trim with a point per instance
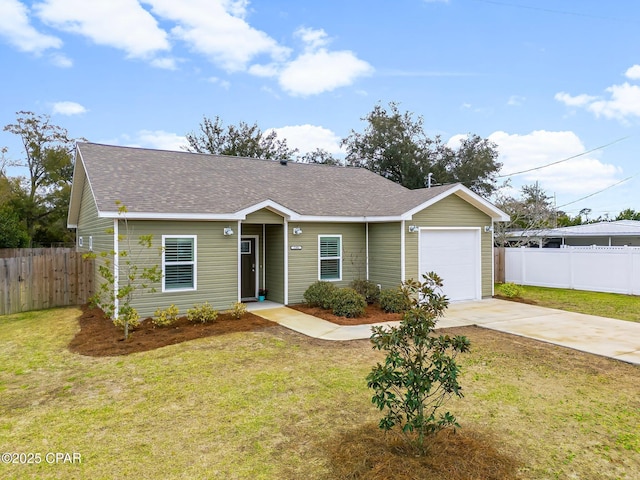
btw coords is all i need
(116, 269)
(256, 252)
(286, 261)
(339, 279)
(478, 267)
(402, 253)
(195, 264)
(366, 247)
(493, 262)
(465, 194)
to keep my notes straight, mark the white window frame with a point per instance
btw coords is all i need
(194, 262)
(339, 258)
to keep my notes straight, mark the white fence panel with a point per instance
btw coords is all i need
(600, 269)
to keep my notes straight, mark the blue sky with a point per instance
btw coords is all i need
(544, 79)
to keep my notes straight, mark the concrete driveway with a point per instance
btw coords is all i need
(599, 335)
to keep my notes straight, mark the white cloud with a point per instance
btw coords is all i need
(60, 60)
(218, 81)
(312, 38)
(574, 101)
(217, 29)
(515, 101)
(622, 103)
(322, 71)
(306, 138)
(166, 63)
(68, 108)
(121, 24)
(579, 176)
(633, 73)
(17, 29)
(161, 140)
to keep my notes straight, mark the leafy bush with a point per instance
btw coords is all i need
(127, 319)
(166, 317)
(367, 289)
(319, 294)
(202, 313)
(394, 301)
(346, 302)
(510, 290)
(238, 310)
(419, 372)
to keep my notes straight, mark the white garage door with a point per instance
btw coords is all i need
(455, 256)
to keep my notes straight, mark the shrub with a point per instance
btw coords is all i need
(510, 290)
(346, 302)
(394, 301)
(367, 289)
(127, 319)
(319, 294)
(419, 372)
(166, 317)
(238, 310)
(202, 313)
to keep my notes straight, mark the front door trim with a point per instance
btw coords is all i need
(256, 247)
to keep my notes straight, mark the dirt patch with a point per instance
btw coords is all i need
(99, 337)
(373, 314)
(453, 455)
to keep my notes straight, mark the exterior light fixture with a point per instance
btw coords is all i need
(228, 231)
(488, 228)
(413, 229)
(297, 230)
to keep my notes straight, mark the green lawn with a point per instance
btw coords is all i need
(273, 404)
(613, 305)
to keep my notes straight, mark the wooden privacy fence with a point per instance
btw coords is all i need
(37, 278)
(498, 265)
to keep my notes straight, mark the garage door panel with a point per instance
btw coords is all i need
(454, 255)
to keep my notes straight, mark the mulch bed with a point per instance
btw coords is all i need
(373, 314)
(99, 337)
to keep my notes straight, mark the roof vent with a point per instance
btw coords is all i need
(283, 162)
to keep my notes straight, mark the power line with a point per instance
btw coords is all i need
(600, 191)
(564, 159)
(550, 10)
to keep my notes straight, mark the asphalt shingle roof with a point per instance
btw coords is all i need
(169, 182)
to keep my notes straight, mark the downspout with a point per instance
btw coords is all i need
(366, 240)
(116, 269)
(239, 261)
(286, 262)
(264, 255)
(402, 252)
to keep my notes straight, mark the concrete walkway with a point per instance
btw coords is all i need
(599, 335)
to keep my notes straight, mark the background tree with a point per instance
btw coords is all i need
(533, 210)
(395, 145)
(628, 214)
(42, 200)
(243, 140)
(318, 156)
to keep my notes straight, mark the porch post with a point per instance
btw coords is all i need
(286, 262)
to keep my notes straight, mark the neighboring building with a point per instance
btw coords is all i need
(229, 226)
(612, 234)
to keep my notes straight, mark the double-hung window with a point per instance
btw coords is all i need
(330, 257)
(179, 263)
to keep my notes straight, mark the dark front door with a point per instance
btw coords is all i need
(248, 267)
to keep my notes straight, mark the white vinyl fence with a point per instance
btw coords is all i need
(600, 269)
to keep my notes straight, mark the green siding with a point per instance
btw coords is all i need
(264, 216)
(90, 225)
(384, 254)
(451, 211)
(274, 263)
(303, 264)
(217, 264)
